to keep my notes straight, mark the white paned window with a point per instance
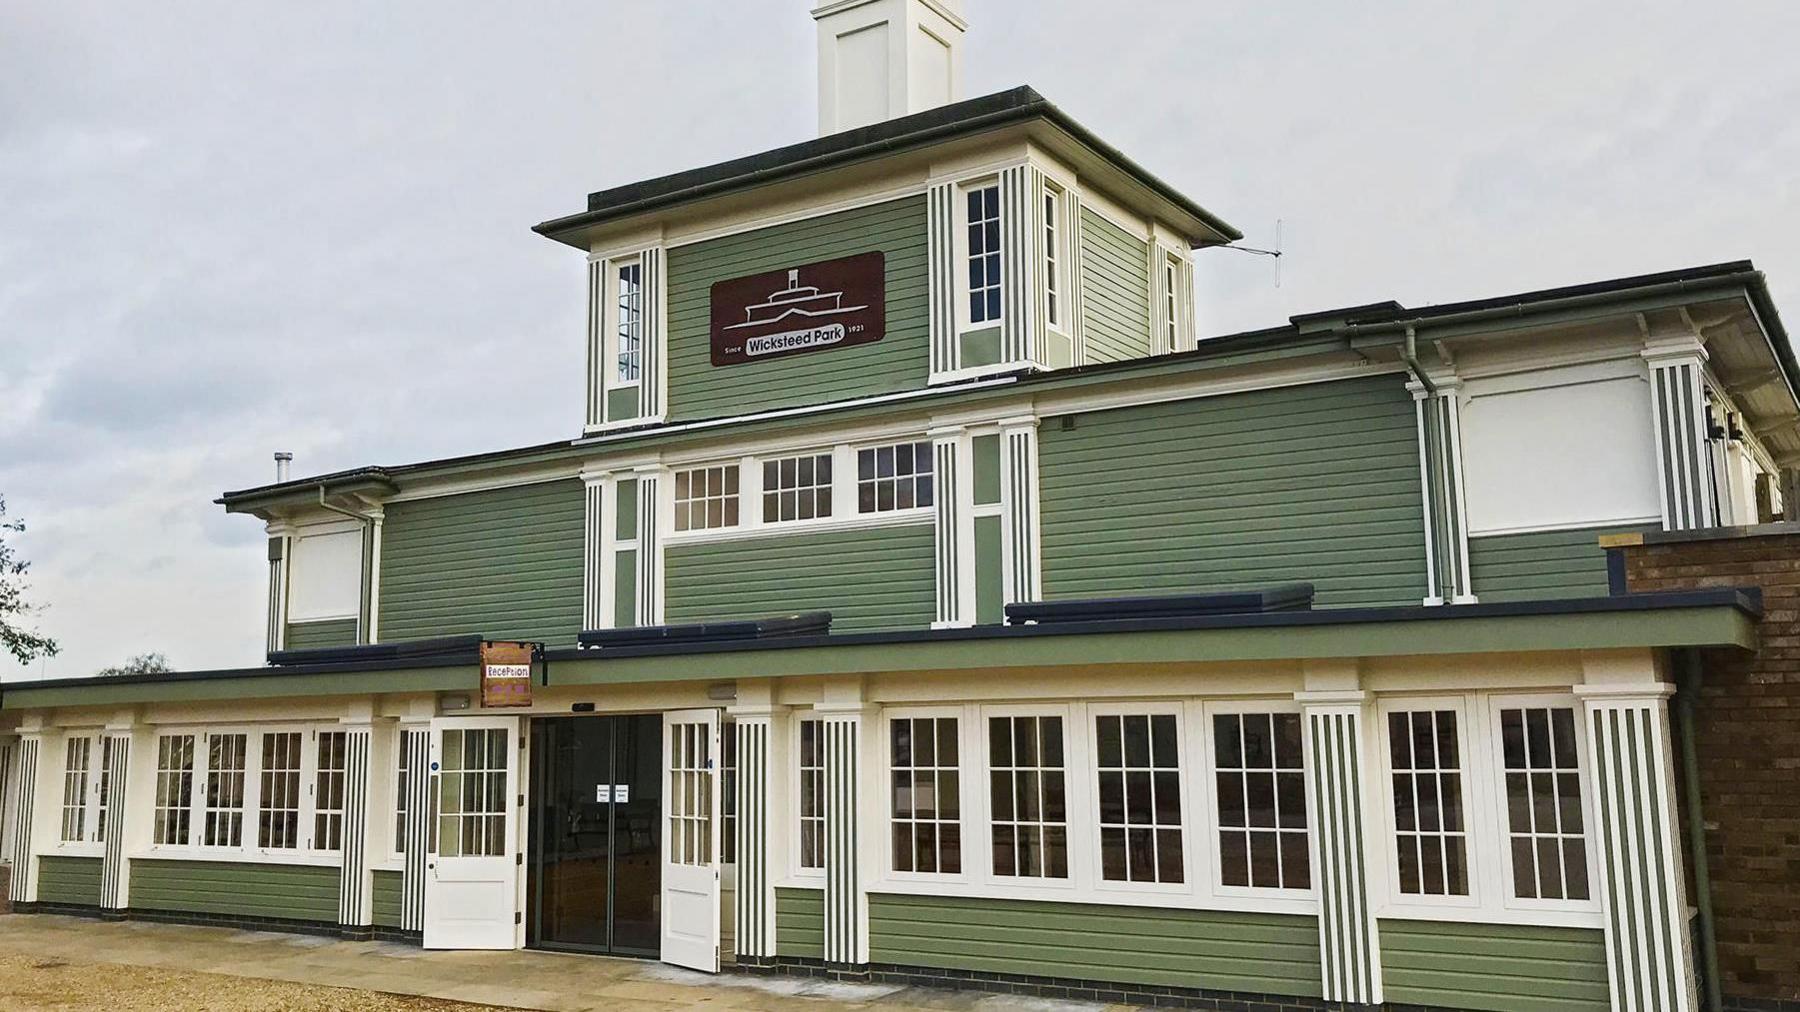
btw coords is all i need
(1171, 303)
(690, 787)
(894, 477)
(796, 488)
(1028, 797)
(174, 790)
(1052, 258)
(471, 819)
(224, 823)
(104, 794)
(1260, 780)
(812, 796)
(278, 817)
(706, 498)
(78, 756)
(628, 321)
(927, 798)
(728, 780)
(1543, 803)
(328, 790)
(983, 216)
(1139, 767)
(401, 775)
(1425, 757)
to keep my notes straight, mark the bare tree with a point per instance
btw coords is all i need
(18, 640)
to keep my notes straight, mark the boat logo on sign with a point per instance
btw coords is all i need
(830, 304)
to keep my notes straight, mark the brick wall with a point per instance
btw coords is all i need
(1747, 737)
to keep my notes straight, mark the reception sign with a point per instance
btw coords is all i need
(506, 674)
(813, 307)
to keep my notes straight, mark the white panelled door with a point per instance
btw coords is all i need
(690, 880)
(471, 865)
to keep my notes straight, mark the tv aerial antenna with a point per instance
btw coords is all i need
(1273, 254)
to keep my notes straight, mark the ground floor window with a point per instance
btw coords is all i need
(1138, 761)
(926, 796)
(328, 790)
(812, 795)
(174, 790)
(1543, 803)
(78, 755)
(1260, 779)
(1027, 797)
(1430, 838)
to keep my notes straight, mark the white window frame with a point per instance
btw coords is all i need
(322, 815)
(1057, 262)
(184, 801)
(1172, 299)
(1209, 793)
(965, 320)
(249, 848)
(612, 320)
(726, 470)
(89, 840)
(1499, 833)
(1477, 829)
(856, 451)
(764, 490)
(1077, 799)
(397, 800)
(964, 741)
(1102, 885)
(800, 873)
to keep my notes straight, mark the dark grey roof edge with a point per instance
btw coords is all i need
(1747, 600)
(970, 116)
(1742, 272)
(444, 659)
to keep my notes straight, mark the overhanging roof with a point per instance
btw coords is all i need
(1701, 618)
(959, 119)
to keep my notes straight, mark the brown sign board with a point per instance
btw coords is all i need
(506, 674)
(813, 307)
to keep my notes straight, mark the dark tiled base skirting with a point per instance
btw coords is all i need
(1737, 1003)
(382, 933)
(1041, 987)
(242, 923)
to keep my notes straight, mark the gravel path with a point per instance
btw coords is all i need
(34, 983)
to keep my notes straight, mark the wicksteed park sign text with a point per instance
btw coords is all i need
(830, 304)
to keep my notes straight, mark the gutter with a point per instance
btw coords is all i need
(1687, 664)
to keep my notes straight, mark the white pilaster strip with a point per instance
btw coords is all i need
(19, 837)
(846, 914)
(116, 754)
(1433, 592)
(1019, 238)
(376, 519)
(1348, 943)
(755, 895)
(596, 343)
(1678, 419)
(416, 740)
(653, 347)
(1020, 561)
(278, 554)
(355, 884)
(954, 530)
(649, 549)
(1649, 957)
(593, 554)
(940, 218)
(1074, 317)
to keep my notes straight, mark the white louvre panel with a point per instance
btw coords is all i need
(354, 898)
(846, 938)
(593, 556)
(941, 281)
(1019, 242)
(117, 756)
(651, 346)
(755, 934)
(596, 343)
(1348, 943)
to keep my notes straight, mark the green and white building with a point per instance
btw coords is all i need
(936, 373)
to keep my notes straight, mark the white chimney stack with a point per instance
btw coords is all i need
(882, 59)
(282, 460)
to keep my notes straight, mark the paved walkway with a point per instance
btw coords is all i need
(525, 980)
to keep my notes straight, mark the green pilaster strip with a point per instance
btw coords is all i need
(985, 451)
(625, 589)
(389, 885)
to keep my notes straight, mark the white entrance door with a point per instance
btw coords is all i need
(471, 869)
(690, 880)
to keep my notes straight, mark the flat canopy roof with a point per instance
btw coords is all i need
(1701, 618)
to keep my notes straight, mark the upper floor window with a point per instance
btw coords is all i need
(894, 477)
(983, 216)
(796, 488)
(1052, 258)
(629, 321)
(1543, 803)
(1171, 303)
(706, 498)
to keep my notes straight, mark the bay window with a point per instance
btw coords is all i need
(982, 252)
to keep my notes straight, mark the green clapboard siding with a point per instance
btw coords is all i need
(1520, 567)
(1507, 967)
(1228, 951)
(285, 891)
(312, 635)
(899, 361)
(505, 564)
(385, 912)
(1316, 482)
(69, 881)
(800, 923)
(868, 579)
(1115, 291)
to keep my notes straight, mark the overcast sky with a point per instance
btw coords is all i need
(236, 227)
